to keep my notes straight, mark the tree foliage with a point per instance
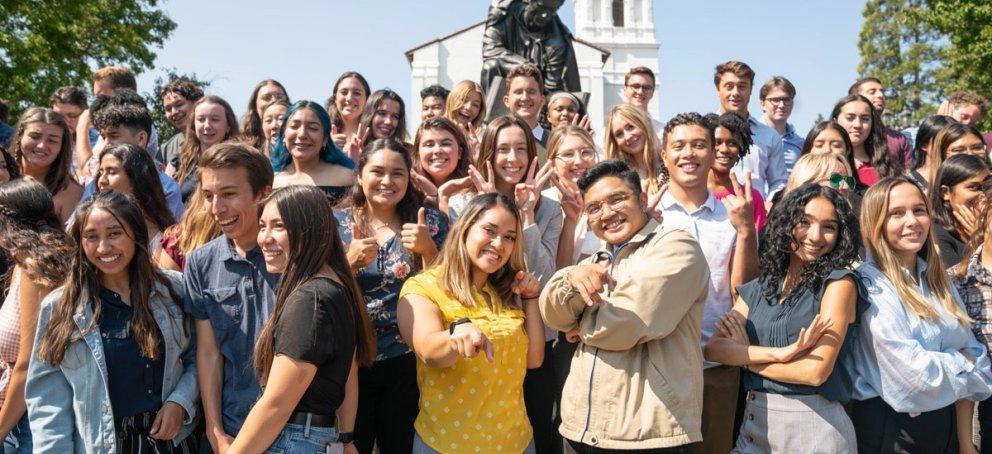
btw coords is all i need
(154, 101)
(967, 26)
(45, 44)
(906, 52)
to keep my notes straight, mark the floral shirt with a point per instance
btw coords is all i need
(382, 280)
(975, 288)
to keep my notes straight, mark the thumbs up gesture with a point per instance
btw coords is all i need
(416, 238)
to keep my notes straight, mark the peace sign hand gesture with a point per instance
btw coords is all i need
(483, 185)
(527, 194)
(652, 207)
(569, 197)
(740, 204)
(584, 122)
(471, 140)
(354, 147)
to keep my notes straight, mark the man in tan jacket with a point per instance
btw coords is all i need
(636, 380)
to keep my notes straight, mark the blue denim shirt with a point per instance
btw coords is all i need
(173, 197)
(915, 365)
(765, 160)
(69, 406)
(792, 147)
(237, 295)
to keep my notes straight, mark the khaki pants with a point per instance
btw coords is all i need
(720, 388)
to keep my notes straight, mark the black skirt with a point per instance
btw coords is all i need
(880, 429)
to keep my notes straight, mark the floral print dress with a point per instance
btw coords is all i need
(382, 280)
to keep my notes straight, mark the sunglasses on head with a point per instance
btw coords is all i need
(836, 179)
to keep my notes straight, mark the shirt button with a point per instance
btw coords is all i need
(149, 391)
(148, 366)
(750, 417)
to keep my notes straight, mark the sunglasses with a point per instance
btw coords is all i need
(836, 179)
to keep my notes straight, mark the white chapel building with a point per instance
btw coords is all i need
(610, 37)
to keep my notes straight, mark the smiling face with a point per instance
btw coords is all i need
(273, 239)
(469, 110)
(386, 119)
(815, 235)
(510, 159)
(112, 176)
(304, 136)
(430, 107)
(967, 193)
(829, 141)
(688, 155)
(524, 98)
(734, 93)
(628, 135)
(490, 240)
(230, 201)
(639, 90)
(438, 154)
(176, 109)
(614, 214)
(268, 95)
(350, 98)
(384, 178)
(907, 222)
(272, 121)
(210, 124)
(777, 105)
(855, 118)
(728, 151)
(40, 145)
(107, 243)
(562, 111)
(574, 157)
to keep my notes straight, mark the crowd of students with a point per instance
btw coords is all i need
(314, 278)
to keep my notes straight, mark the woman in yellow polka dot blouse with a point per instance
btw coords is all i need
(473, 321)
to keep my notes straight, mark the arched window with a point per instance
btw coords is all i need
(618, 13)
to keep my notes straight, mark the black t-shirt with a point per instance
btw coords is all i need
(317, 326)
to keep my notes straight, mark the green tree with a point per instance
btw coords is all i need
(967, 25)
(903, 50)
(154, 101)
(45, 44)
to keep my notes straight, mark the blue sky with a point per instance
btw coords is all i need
(307, 44)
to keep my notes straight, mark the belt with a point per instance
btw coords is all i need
(315, 420)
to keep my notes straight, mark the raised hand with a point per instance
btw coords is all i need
(589, 280)
(416, 238)
(807, 339)
(449, 188)
(468, 341)
(740, 204)
(472, 141)
(584, 122)
(354, 147)
(968, 218)
(483, 185)
(569, 197)
(527, 194)
(652, 207)
(339, 138)
(423, 184)
(526, 285)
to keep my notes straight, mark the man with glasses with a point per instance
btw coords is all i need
(638, 90)
(776, 98)
(637, 325)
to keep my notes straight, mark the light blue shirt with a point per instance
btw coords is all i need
(915, 365)
(765, 160)
(792, 145)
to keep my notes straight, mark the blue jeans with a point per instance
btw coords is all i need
(300, 438)
(18, 441)
(419, 447)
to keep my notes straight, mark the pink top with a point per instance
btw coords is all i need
(758, 202)
(10, 331)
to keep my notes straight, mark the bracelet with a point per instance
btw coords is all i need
(530, 297)
(346, 437)
(461, 321)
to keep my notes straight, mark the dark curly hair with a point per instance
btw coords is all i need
(777, 242)
(739, 129)
(30, 231)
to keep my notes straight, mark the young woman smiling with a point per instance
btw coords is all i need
(272, 118)
(466, 106)
(926, 164)
(385, 116)
(442, 160)
(42, 146)
(389, 236)
(304, 155)
(958, 203)
(212, 122)
(345, 107)
(631, 139)
(873, 161)
(733, 141)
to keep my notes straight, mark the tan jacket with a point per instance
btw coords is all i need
(636, 380)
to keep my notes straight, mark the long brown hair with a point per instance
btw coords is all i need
(313, 243)
(30, 231)
(189, 154)
(82, 286)
(251, 121)
(443, 124)
(59, 174)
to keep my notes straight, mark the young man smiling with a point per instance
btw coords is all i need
(229, 292)
(726, 232)
(638, 91)
(638, 325)
(178, 97)
(525, 98)
(776, 98)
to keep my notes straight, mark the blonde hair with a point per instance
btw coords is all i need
(813, 167)
(561, 132)
(874, 217)
(198, 226)
(652, 145)
(455, 266)
(459, 94)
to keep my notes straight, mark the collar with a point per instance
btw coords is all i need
(646, 232)
(229, 252)
(538, 131)
(921, 266)
(976, 270)
(789, 129)
(668, 201)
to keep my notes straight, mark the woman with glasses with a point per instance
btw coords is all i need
(957, 138)
(571, 151)
(958, 203)
(733, 140)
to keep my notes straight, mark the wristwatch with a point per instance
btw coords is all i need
(463, 320)
(346, 437)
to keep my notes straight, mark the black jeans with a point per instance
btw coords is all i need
(881, 430)
(586, 449)
(985, 425)
(388, 403)
(539, 398)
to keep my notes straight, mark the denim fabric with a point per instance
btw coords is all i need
(296, 438)
(18, 441)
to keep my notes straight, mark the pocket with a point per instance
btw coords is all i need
(225, 309)
(315, 442)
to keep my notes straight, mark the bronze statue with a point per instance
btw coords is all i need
(518, 31)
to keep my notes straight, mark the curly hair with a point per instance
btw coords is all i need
(778, 242)
(30, 231)
(739, 129)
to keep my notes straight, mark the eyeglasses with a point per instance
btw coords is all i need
(615, 201)
(273, 97)
(784, 100)
(978, 148)
(836, 179)
(585, 154)
(643, 88)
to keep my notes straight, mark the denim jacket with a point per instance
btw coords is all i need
(68, 405)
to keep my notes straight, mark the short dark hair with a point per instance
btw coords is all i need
(236, 154)
(435, 90)
(611, 168)
(740, 69)
(777, 82)
(525, 70)
(127, 115)
(856, 87)
(688, 119)
(69, 95)
(184, 87)
(641, 70)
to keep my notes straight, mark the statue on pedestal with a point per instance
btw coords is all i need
(518, 31)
